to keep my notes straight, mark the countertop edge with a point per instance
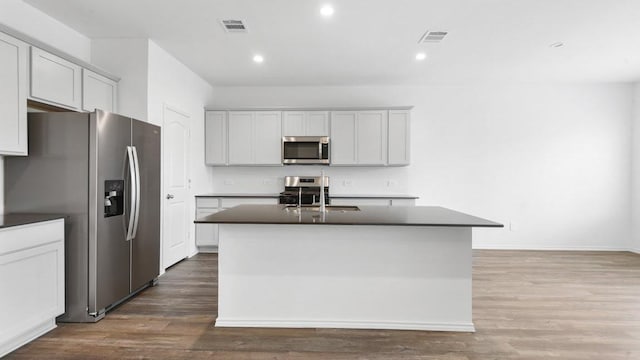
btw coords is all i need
(418, 216)
(18, 219)
(338, 196)
(351, 224)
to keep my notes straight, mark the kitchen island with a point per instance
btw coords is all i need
(367, 267)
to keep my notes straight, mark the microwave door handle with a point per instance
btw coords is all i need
(319, 150)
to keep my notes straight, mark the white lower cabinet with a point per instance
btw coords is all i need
(31, 281)
(207, 234)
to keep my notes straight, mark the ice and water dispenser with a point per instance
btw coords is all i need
(113, 198)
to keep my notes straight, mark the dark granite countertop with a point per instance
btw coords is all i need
(9, 220)
(333, 196)
(367, 215)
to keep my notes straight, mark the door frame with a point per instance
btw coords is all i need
(175, 109)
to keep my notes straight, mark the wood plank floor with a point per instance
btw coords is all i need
(527, 305)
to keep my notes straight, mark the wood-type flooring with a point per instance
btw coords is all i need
(526, 305)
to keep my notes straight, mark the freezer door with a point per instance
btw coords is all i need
(109, 250)
(145, 253)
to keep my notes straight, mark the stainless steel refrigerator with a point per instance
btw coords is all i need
(103, 171)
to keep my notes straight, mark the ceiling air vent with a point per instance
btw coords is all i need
(433, 37)
(234, 26)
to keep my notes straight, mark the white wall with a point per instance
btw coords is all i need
(552, 160)
(635, 171)
(23, 17)
(172, 84)
(128, 59)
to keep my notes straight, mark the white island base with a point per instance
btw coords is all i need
(341, 276)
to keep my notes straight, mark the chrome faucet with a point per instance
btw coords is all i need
(322, 202)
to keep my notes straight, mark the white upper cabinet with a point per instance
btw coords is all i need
(371, 137)
(359, 137)
(241, 137)
(305, 123)
(293, 123)
(267, 138)
(366, 137)
(399, 137)
(254, 137)
(13, 96)
(343, 138)
(98, 92)
(55, 80)
(215, 127)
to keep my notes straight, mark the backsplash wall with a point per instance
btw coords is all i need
(342, 180)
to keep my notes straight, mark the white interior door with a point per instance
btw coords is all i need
(175, 174)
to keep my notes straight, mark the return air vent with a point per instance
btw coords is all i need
(234, 26)
(433, 37)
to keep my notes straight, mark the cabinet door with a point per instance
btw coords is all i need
(215, 138)
(98, 92)
(13, 96)
(240, 139)
(55, 80)
(371, 138)
(268, 138)
(206, 234)
(32, 281)
(343, 138)
(317, 123)
(293, 123)
(399, 135)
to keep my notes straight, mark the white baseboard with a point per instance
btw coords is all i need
(208, 249)
(547, 248)
(458, 327)
(637, 251)
(27, 336)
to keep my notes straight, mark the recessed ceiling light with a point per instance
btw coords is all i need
(421, 56)
(258, 58)
(557, 44)
(326, 10)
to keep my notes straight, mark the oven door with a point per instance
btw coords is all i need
(305, 150)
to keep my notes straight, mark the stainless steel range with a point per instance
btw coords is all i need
(304, 190)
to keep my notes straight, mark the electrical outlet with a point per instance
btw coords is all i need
(267, 181)
(392, 183)
(512, 226)
(347, 183)
(229, 182)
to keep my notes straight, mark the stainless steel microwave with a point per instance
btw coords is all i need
(305, 150)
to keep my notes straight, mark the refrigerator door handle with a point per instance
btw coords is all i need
(134, 195)
(137, 195)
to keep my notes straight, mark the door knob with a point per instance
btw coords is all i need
(169, 196)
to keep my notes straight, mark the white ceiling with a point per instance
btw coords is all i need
(375, 41)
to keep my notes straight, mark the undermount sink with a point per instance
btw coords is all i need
(341, 208)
